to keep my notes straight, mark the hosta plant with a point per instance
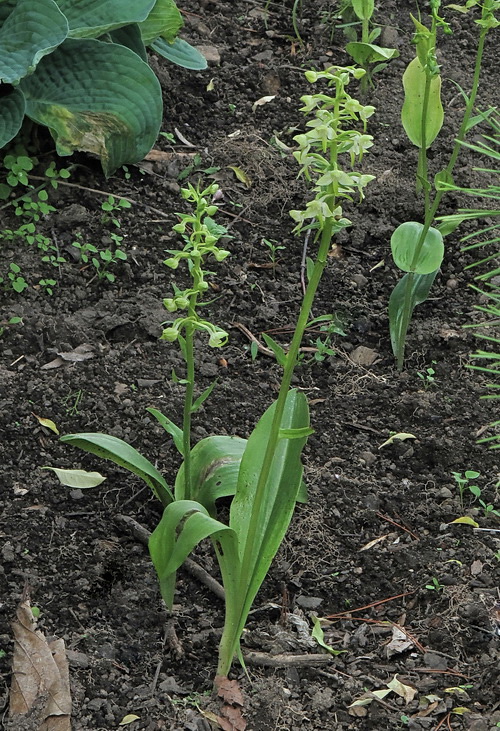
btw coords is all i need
(80, 69)
(262, 474)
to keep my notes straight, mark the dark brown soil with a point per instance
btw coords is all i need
(92, 579)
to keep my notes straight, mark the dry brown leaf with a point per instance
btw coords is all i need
(228, 690)
(39, 670)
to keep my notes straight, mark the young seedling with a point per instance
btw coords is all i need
(462, 482)
(427, 376)
(14, 279)
(262, 474)
(273, 247)
(370, 57)
(435, 585)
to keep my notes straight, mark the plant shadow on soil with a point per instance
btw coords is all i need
(93, 582)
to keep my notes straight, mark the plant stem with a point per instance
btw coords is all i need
(236, 615)
(432, 210)
(188, 399)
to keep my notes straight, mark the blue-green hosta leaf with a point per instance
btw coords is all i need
(92, 18)
(12, 107)
(420, 285)
(164, 21)
(122, 454)
(181, 53)
(215, 463)
(30, 32)
(97, 97)
(183, 525)
(404, 242)
(130, 37)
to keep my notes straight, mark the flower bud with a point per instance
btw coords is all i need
(221, 254)
(182, 303)
(170, 334)
(173, 263)
(218, 338)
(170, 304)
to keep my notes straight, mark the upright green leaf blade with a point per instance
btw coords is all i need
(31, 31)
(124, 455)
(414, 79)
(260, 531)
(181, 53)
(97, 97)
(420, 285)
(12, 109)
(92, 18)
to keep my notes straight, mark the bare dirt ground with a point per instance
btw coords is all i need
(376, 533)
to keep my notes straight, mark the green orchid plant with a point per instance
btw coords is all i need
(418, 248)
(262, 474)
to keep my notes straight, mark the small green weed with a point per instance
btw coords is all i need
(48, 285)
(111, 207)
(435, 585)
(14, 279)
(428, 376)
(7, 323)
(100, 259)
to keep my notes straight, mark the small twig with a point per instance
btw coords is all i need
(142, 535)
(345, 615)
(286, 660)
(442, 672)
(397, 525)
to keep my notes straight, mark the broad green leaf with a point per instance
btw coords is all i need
(181, 53)
(122, 454)
(420, 285)
(92, 18)
(261, 528)
(183, 525)
(215, 464)
(404, 242)
(170, 428)
(12, 110)
(365, 53)
(30, 32)
(97, 97)
(130, 37)
(414, 79)
(363, 8)
(164, 21)
(77, 478)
